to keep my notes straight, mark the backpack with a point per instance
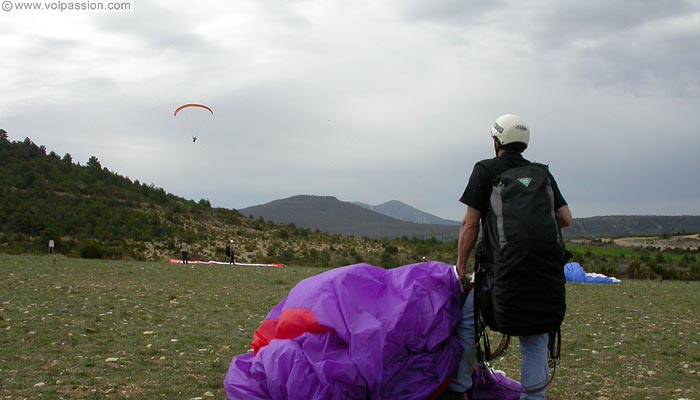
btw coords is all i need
(227, 250)
(520, 278)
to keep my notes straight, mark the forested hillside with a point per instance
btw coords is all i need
(44, 194)
(93, 212)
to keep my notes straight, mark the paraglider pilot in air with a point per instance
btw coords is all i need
(195, 106)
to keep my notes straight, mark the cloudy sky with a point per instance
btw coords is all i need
(365, 100)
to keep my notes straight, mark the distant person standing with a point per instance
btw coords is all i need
(228, 250)
(184, 250)
(51, 246)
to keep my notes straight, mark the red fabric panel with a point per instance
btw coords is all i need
(264, 334)
(292, 323)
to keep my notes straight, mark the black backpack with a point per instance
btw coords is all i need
(520, 278)
(227, 250)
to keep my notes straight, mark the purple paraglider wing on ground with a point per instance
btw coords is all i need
(356, 332)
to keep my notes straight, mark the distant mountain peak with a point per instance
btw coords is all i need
(396, 203)
(404, 212)
(309, 197)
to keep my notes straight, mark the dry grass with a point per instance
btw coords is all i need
(79, 329)
(686, 242)
(638, 340)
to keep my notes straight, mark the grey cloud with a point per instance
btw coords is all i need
(622, 44)
(630, 46)
(667, 68)
(35, 64)
(560, 22)
(48, 48)
(158, 27)
(450, 12)
(284, 12)
(611, 178)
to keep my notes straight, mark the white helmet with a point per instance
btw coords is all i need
(511, 128)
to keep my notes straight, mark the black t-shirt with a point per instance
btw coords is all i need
(478, 191)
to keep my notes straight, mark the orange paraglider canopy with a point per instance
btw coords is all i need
(192, 105)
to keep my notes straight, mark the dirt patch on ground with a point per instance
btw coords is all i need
(687, 242)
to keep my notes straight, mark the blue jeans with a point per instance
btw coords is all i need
(465, 334)
(534, 369)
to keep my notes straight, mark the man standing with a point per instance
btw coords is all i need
(184, 251)
(51, 246)
(231, 252)
(509, 226)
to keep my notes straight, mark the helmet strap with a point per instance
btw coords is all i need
(497, 146)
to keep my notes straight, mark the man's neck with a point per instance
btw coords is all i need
(502, 152)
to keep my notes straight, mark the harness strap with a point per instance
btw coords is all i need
(554, 346)
(491, 371)
(554, 350)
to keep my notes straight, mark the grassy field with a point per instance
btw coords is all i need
(617, 251)
(604, 250)
(79, 329)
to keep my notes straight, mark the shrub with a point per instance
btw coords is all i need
(633, 269)
(658, 269)
(91, 249)
(646, 273)
(695, 271)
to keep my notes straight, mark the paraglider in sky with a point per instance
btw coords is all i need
(189, 105)
(195, 116)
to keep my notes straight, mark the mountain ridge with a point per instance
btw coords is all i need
(633, 225)
(328, 214)
(285, 211)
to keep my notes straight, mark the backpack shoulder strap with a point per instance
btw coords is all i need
(543, 166)
(495, 167)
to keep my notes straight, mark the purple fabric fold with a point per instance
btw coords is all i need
(389, 338)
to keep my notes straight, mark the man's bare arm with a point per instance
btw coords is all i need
(563, 216)
(468, 233)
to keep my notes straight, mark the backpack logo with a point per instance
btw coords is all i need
(525, 181)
